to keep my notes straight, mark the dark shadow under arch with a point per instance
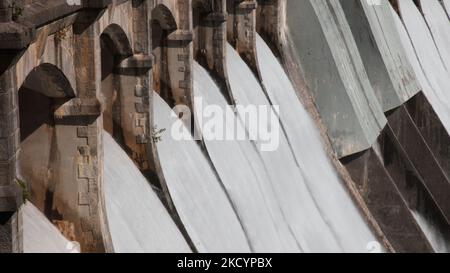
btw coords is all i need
(162, 24)
(44, 90)
(200, 10)
(115, 47)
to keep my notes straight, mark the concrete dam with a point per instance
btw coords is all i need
(221, 126)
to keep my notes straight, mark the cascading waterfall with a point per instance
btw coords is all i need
(137, 220)
(41, 236)
(200, 200)
(425, 59)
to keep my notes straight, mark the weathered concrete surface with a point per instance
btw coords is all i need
(385, 60)
(241, 30)
(73, 136)
(172, 47)
(271, 23)
(335, 74)
(431, 129)
(412, 183)
(430, 108)
(385, 202)
(9, 143)
(125, 94)
(11, 239)
(409, 137)
(420, 157)
(439, 25)
(59, 184)
(210, 41)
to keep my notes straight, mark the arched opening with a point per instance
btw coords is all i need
(200, 10)
(123, 98)
(162, 24)
(44, 90)
(115, 47)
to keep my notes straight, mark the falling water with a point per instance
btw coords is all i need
(425, 59)
(447, 7)
(137, 220)
(41, 236)
(335, 225)
(304, 178)
(244, 176)
(433, 234)
(439, 25)
(195, 189)
(433, 77)
(305, 221)
(328, 192)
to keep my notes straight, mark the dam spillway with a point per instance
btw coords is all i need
(223, 126)
(132, 208)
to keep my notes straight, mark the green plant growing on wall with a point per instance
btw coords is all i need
(24, 188)
(16, 10)
(157, 134)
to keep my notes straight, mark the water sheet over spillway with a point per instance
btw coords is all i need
(424, 58)
(196, 191)
(41, 236)
(447, 6)
(320, 178)
(286, 178)
(274, 182)
(439, 25)
(137, 219)
(244, 175)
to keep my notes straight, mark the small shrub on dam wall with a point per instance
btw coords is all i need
(24, 188)
(157, 134)
(62, 34)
